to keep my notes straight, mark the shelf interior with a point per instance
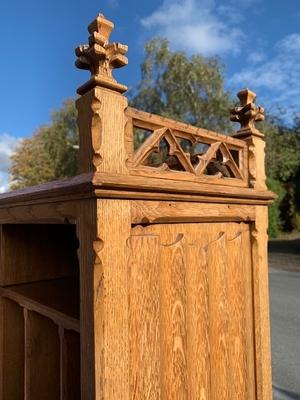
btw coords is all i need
(39, 312)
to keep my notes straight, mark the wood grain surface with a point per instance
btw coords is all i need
(191, 307)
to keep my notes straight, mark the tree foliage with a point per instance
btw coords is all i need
(282, 149)
(186, 88)
(283, 170)
(51, 153)
(275, 221)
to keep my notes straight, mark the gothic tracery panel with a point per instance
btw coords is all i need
(163, 146)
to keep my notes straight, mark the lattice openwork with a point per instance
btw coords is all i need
(163, 146)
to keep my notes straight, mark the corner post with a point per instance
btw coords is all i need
(101, 107)
(247, 114)
(103, 225)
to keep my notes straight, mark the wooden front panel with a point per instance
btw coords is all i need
(190, 312)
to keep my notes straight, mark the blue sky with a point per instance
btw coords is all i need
(257, 40)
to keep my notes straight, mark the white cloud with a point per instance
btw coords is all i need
(290, 44)
(278, 75)
(256, 57)
(4, 182)
(113, 3)
(8, 145)
(201, 26)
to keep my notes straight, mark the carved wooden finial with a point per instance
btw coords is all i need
(248, 113)
(100, 57)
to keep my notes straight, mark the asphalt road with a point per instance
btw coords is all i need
(285, 323)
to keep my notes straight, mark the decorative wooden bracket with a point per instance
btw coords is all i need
(100, 57)
(248, 113)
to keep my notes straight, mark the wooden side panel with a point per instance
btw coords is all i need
(259, 239)
(42, 358)
(36, 252)
(11, 351)
(191, 312)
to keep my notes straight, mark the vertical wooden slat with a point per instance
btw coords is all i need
(70, 366)
(249, 313)
(218, 316)
(198, 347)
(11, 351)
(173, 313)
(62, 362)
(42, 358)
(237, 270)
(259, 240)
(144, 327)
(27, 357)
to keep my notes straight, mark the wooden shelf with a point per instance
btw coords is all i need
(57, 299)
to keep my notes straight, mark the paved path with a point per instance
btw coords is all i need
(285, 319)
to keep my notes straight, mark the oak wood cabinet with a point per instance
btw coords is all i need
(145, 276)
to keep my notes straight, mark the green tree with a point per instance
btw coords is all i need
(275, 221)
(283, 170)
(51, 153)
(31, 163)
(282, 149)
(185, 88)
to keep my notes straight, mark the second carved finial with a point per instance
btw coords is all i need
(248, 113)
(100, 57)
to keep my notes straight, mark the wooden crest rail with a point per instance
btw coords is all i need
(145, 276)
